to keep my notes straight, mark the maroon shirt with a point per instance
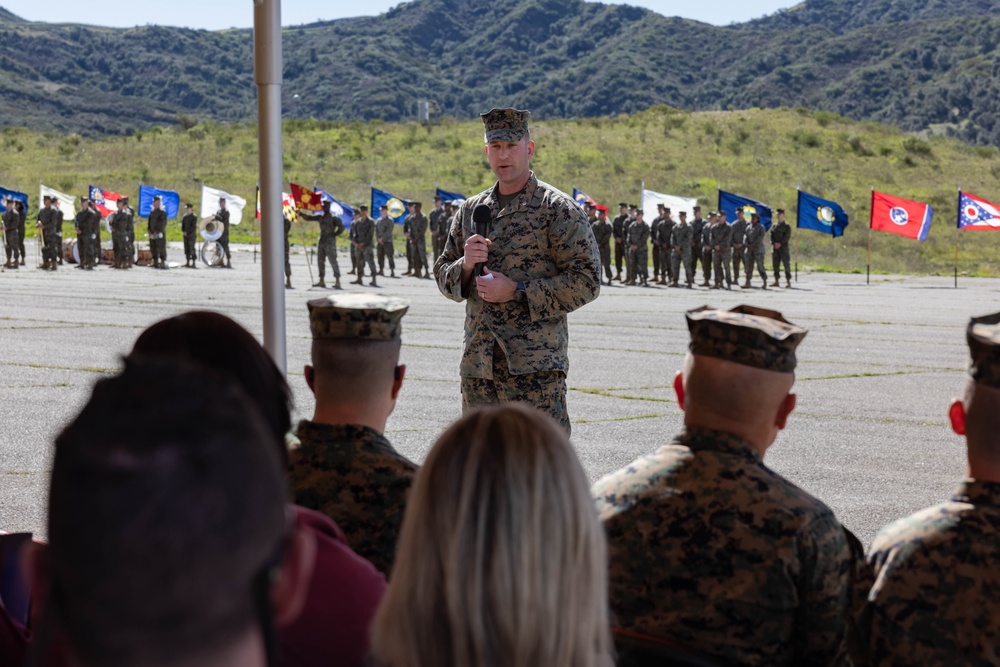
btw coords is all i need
(344, 593)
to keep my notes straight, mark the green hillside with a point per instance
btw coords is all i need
(923, 65)
(763, 154)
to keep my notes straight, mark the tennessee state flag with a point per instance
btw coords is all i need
(895, 215)
(306, 200)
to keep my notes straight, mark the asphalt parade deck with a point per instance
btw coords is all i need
(870, 435)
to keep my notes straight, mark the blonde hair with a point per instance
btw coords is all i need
(501, 560)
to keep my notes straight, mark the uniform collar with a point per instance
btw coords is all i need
(520, 201)
(706, 439)
(978, 493)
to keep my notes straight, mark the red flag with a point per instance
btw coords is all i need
(900, 216)
(305, 199)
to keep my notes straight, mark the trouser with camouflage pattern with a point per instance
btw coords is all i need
(545, 390)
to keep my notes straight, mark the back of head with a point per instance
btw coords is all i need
(354, 370)
(982, 396)
(216, 342)
(159, 536)
(501, 561)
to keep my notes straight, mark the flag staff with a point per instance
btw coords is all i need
(798, 215)
(268, 77)
(868, 278)
(958, 226)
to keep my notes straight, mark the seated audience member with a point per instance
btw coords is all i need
(171, 545)
(501, 560)
(936, 598)
(345, 466)
(707, 545)
(345, 589)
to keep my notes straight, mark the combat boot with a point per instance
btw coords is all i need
(321, 283)
(373, 283)
(336, 285)
(358, 281)
(788, 283)
(619, 276)
(774, 284)
(229, 264)
(705, 284)
(746, 285)
(392, 274)
(288, 283)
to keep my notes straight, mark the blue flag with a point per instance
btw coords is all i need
(18, 196)
(820, 215)
(733, 206)
(582, 197)
(449, 196)
(171, 201)
(397, 206)
(343, 211)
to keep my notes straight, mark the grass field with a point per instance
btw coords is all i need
(763, 154)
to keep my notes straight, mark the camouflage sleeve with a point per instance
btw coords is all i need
(578, 261)
(821, 623)
(448, 266)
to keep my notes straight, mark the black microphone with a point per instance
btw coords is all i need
(482, 216)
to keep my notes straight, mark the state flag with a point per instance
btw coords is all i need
(977, 213)
(104, 200)
(582, 198)
(896, 215)
(676, 204)
(169, 200)
(735, 206)
(307, 201)
(210, 204)
(397, 206)
(343, 211)
(821, 215)
(287, 206)
(13, 194)
(449, 196)
(67, 203)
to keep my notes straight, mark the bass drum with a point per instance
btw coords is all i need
(71, 253)
(212, 253)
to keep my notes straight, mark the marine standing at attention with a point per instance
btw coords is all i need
(540, 262)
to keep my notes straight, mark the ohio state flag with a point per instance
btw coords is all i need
(900, 216)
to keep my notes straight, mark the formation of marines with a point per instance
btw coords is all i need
(713, 243)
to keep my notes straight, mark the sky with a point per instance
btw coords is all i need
(220, 14)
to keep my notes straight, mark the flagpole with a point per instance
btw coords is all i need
(268, 77)
(868, 279)
(958, 226)
(798, 216)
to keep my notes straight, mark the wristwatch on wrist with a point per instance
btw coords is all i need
(519, 294)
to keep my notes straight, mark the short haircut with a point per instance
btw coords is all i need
(166, 508)
(500, 532)
(216, 342)
(359, 368)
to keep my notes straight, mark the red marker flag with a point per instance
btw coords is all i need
(306, 199)
(900, 216)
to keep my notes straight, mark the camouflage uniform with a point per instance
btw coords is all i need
(543, 239)
(157, 230)
(46, 219)
(418, 241)
(638, 260)
(666, 252)
(753, 252)
(330, 227)
(22, 211)
(353, 475)
(680, 250)
(781, 233)
(602, 235)
(10, 225)
(119, 240)
(384, 228)
(739, 228)
(438, 223)
(618, 229)
(722, 249)
(57, 218)
(364, 235)
(697, 228)
(288, 263)
(936, 598)
(189, 230)
(711, 548)
(654, 239)
(222, 215)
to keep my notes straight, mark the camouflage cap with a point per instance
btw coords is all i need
(357, 316)
(745, 335)
(983, 334)
(505, 124)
